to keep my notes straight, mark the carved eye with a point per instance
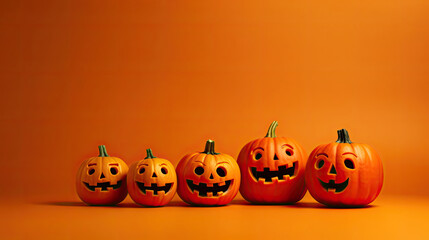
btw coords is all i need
(141, 170)
(113, 170)
(349, 163)
(91, 171)
(164, 170)
(320, 164)
(258, 156)
(199, 170)
(221, 171)
(289, 152)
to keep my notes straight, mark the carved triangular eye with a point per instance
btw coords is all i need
(275, 157)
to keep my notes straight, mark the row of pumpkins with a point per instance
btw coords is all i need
(269, 170)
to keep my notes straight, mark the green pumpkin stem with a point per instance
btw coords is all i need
(149, 154)
(343, 136)
(210, 148)
(102, 151)
(272, 130)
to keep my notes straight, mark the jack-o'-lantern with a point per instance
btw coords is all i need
(102, 180)
(208, 178)
(343, 173)
(152, 181)
(272, 169)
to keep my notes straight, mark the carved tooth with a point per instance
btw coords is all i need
(219, 193)
(209, 194)
(286, 177)
(275, 179)
(261, 180)
(221, 183)
(332, 190)
(209, 184)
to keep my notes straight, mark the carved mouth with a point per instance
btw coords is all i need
(203, 188)
(281, 173)
(154, 187)
(338, 187)
(103, 186)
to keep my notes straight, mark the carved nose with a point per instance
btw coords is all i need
(102, 176)
(333, 171)
(275, 157)
(154, 175)
(211, 176)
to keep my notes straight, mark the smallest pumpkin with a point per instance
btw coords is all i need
(152, 181)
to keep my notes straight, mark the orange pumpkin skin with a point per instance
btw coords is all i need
(208, 178)
(344, 174)
(102, 180)
(272, 170)
(152, 181)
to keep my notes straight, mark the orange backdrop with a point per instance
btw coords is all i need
(169, 75)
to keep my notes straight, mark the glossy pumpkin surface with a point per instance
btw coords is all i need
(272, 169)
(343, 173)
(152, 181)
(208, 178)
(102, 180)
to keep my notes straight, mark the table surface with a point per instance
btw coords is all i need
(389, 217)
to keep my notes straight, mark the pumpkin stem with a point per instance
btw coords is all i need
(343, 136)
(272, 130)
(102, 151)
(210, 149)
(149, 154)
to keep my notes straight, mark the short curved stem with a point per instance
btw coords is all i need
(102, 151)
(210, 148)
(149, 154)
(343, 136)
(272, 130)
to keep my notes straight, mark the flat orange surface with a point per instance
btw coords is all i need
(387, 218)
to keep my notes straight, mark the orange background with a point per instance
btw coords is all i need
(170, 75)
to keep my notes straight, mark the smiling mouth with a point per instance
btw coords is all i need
(338, 187)
(103, 186)
(154, 188)
(203, 189)
(281, 173)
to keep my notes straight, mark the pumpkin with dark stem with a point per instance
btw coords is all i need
(272, 169)
(102, 180)
(152, 181)
(208, 178)
(344, 174)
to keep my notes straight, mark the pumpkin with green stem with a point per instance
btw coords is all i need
(344, 173)
(102, 180)
(152, 181)
(272, 169)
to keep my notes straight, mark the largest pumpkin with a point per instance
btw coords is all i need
(272, 169)
(344, 173)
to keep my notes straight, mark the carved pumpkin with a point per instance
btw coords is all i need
(208, 178)
(152, 181)
(344, 173)
(272, 169)
(102, 180)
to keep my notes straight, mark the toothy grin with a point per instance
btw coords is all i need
(154, 187)
(267, 175)
(203, 189)
(338, 187)
(103, 186)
